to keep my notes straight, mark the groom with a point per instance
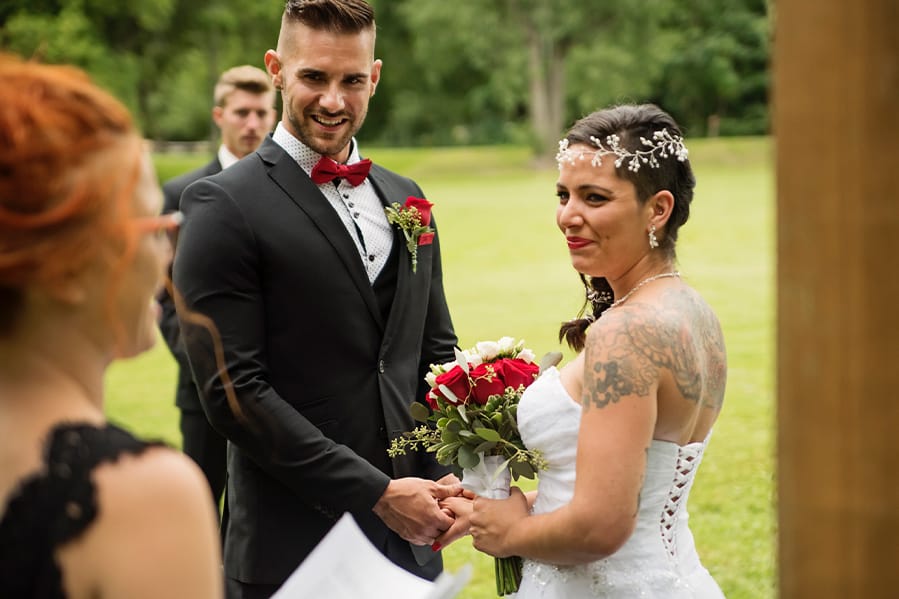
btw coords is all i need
(322, 331)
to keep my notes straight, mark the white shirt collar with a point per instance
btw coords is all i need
(305, 156)
(226, 158)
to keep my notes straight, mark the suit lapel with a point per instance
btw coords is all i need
(288, 175)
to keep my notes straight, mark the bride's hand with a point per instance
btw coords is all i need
(493, 519)
(459, 508)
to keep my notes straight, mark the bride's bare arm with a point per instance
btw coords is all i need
(620, 383)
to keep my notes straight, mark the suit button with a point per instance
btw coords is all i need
(381, 368)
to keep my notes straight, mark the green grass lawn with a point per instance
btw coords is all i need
(506, 272)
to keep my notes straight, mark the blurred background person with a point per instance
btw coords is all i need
(88, 510)
(244, 112)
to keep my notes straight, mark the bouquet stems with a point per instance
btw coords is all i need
(507, 571)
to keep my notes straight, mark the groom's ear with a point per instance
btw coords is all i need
(273, 66)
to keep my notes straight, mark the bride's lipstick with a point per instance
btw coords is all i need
(576, 243)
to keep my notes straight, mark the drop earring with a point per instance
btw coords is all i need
(653, 241)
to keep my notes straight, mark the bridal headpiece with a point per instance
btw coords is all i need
(662, 145)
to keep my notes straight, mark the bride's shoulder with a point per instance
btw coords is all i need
(671, 313)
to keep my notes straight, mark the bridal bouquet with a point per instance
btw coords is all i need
(470, 423)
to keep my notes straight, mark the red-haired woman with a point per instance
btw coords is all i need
(87, 510)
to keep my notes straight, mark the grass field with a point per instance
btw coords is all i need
(506, 273)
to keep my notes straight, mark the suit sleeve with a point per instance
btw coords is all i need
(216, 270)
(168, 323)
(437, 343)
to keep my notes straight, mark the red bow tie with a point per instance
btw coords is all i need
(328, 170)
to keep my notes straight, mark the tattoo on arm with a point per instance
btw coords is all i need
(627, 355)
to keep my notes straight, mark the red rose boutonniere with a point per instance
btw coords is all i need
(414, 220)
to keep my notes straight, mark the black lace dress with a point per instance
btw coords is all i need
(55, 506)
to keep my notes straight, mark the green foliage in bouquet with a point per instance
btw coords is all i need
(462, 433)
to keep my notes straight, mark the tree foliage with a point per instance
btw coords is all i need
(479, 71)
(715, 78)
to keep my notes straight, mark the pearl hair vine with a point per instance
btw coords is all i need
(662, 145)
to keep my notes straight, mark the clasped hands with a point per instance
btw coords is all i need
(437, 513)
(426, 512)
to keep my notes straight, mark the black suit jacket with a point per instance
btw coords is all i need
(186, 396)
(322, 379)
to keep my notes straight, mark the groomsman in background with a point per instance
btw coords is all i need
(244, 113)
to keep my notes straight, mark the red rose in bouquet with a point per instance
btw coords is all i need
(488, 381)
(519, 372)
(453, 386)
(494, 378)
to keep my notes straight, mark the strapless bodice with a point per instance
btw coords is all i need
(659, 559)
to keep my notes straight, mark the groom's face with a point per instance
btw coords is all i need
(326, 81)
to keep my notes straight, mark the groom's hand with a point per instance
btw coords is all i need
(409, 507)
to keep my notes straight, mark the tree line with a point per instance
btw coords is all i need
(460, 72)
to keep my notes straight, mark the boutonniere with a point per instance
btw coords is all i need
(414, 220)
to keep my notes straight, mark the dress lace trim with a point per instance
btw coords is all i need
(56, 505)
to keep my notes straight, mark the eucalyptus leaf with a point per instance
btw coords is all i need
(485, 447)
(550, 359)
(420, 411)
(523, 469)
(467, 458)
(445, 453)
(488, 434)
(462, 414)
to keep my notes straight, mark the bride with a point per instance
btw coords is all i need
(624, 425)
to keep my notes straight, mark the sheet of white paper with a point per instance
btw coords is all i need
(345, 565)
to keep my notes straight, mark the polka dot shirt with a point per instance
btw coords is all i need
(359, 208)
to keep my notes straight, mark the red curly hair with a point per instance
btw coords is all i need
(69, 163)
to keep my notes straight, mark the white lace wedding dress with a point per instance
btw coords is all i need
(659, 560)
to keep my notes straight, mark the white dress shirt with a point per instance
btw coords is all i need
(359, 208)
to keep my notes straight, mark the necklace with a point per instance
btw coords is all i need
(645, 281)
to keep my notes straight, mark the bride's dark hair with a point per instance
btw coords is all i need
(631, 123)
(599, 297)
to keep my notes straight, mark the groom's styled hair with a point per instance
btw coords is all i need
(337, 16)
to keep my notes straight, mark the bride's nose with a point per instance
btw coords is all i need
(568, 215)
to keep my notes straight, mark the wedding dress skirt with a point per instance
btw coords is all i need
(659, 560)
